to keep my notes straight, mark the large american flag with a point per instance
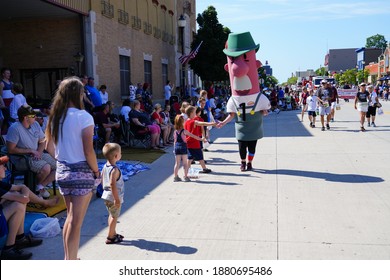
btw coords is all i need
(186, 58)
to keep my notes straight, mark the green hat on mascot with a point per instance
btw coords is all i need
(240, 43)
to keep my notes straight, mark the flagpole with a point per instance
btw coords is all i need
(182, 24)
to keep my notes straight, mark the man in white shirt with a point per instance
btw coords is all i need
(18, 100)
(167, 92)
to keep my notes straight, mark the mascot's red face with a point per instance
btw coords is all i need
(244, 79)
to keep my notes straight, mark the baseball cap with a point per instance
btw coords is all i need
(362, 84)
(39, 114)
(25, 111)
(4, 159)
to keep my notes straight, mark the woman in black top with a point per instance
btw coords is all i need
(361, 103)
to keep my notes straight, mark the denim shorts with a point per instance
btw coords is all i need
(3, 223)
(180, 149)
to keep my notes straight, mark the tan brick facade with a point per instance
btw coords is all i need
(140, 29)
(143, 40)
(38, 44)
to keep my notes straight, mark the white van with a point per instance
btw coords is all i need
(316, 81)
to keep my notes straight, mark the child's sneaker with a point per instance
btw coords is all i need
(249, 167)
(243, 166)
(323, 128)
(177, 179)
(368, 124)
(373, 124)
(186, 179)
(327, 126)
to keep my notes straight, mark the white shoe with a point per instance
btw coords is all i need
(44, 193)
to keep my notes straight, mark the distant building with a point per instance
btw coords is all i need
(305, 75)
(267, 68)
(341, 59)
(379, 70)
(367, 55)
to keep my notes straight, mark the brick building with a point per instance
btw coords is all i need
(115, 41)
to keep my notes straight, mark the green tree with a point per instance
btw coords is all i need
(362, 75)
(338, 78)
(265, 80)
(272, 81)
(210, 60)
(292, 80)
(349, 76)
(321, 71)
(376, 41)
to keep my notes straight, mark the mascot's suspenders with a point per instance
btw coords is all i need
(242, 107)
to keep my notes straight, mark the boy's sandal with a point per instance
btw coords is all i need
(114, 240)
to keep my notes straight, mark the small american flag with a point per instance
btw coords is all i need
(186, 58)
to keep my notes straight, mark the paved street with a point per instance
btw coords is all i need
(313, 195)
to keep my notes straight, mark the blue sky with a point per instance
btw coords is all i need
(296, 34)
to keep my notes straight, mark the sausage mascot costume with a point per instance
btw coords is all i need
(246, 104)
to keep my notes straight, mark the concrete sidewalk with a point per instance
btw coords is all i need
(313, 195)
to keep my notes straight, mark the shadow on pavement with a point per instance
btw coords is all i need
(160, 247)
(332, 177)
(215, 183)
(285, 124)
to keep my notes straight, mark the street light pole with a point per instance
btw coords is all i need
(182, 24)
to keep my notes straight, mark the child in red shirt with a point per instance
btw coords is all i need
(195, 126)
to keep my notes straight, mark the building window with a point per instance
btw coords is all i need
(164, 73)
(124, 69)
(148, 73)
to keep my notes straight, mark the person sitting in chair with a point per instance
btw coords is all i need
(27, 137)
(14, 199)
(109, 126)
(142, 121)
